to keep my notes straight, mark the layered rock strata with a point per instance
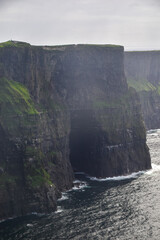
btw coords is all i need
(64, 108)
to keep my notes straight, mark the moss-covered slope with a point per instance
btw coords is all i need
(31, 152)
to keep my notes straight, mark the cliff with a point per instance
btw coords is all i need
(143, 73)
(64, 108)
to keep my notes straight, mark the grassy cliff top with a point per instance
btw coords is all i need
(12, 43)
(83, 46)
(100, 45)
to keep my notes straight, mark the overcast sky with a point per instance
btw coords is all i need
(134, 24)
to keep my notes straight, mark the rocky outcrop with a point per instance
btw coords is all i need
(143, 73)
(64, 108)
(34, 152)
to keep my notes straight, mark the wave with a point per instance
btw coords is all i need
(59, 209)
(36, 213)
(29, 225)
(118, 178)
(7, 219)
(152, 131)
(64, 197)
(155, 168)
(79, 185)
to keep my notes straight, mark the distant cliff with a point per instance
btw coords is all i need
(64, 108)
(143, 73)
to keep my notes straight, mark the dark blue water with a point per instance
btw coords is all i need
(114, 209)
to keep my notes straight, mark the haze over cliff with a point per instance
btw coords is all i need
(64, 108)
(142, 70)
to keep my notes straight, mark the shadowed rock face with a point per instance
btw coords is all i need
(143, 73)
(64, 108)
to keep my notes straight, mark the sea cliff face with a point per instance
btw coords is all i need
(64, 108)
(143, 73)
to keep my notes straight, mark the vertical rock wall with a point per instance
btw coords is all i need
(143, 73)
(63, 106)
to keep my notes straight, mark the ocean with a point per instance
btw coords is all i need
(119, 208)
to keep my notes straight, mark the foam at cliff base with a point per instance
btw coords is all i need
(153, 131)
(64, 197)
(118, 178)
(155, 168)
(79, 185)
(59, 209)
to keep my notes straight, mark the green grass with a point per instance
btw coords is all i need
(36, 175)
(15, 98)
(141, 85)
(100, 45)
(17, 110)
(38, 178)
(13, 44)
(83, 45)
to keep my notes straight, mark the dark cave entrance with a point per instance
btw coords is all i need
(84, 142)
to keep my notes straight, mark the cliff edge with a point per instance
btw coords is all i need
(64, 108)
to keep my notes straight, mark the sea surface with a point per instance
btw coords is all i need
(120, 208)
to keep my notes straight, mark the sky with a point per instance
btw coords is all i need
(135, 24)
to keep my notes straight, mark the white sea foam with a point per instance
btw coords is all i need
(33, 213)
(64, 196)
(77, 181)
(118, 178)
(29, 225)
(155, 168)
(10, 218)
(3, 220)
(79, 185)
(59, 209)
(36, 213)
(152, 131)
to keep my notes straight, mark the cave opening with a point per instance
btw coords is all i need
(84, 142)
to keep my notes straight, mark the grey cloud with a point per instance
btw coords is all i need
(6, 2)
(130, 23)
